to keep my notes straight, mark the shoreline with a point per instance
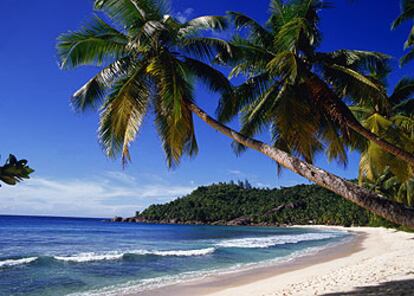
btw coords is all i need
(338, 268)
(222, 281)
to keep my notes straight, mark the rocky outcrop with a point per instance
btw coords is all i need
(241, 221)
(116, 219)
(290, 205)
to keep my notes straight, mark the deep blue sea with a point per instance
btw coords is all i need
(71, 256)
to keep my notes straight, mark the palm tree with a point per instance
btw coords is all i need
(291, 84)
(149, 61)
(407, 14)
(14, 171)
(394, 121)
(148, 65)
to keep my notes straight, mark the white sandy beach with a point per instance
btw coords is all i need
(384, 261)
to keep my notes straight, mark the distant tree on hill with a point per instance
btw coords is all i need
(247, 184)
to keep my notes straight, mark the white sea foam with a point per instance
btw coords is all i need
(252, 242)
(184, 253)
(14, 262)
(117, 255)
(269, 241)
(87, 257)
(139, 286)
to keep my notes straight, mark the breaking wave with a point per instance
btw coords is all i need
(270, 241)
(14, 262)
(117, 255)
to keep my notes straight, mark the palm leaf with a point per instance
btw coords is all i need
(255, 116)
(132, 14)
(256, 31)
(352, 84)
(217, 23)
(407, 58)
(93, 44)
(336, 144)
(14, 171)
(122, 114)
(91, 94)
(403, 90)
(358, 60)
(214, 79)
(173, 118)
(205, 48)
(358, 76)
(405, 123)
(290, 34)
(246, 57)
(285, 66)
(242, 95)
(407, 13)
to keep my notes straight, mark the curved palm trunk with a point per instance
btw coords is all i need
(390, 210)
(323, 97)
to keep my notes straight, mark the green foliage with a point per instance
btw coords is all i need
(407, 14)
(290, 84)
(14, 171)
(223, 202)
(149, 62)
(392, 120)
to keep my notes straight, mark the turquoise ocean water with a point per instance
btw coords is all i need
(70, 256)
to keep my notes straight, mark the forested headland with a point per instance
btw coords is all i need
(238, 203)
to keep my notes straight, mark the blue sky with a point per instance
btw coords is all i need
(73, 177)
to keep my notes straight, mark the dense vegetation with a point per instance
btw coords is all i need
(222, 203)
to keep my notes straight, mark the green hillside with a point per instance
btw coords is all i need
(241, 204)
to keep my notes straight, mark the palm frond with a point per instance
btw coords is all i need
(285, 66)
(407, 13)
(214, 79)
(132, 14)
(352, 84)
(246, 57)
(205, 48)
(151, 27)
(177, 137)
(90, 95)
(122, 114)
(336, 143)
(358, 60)
(387, 129)
(93, 44)
(410, 39)
(253, 119)
(407, 57)
(257, 33)
(361, 112)
(14, 171)
(405, 123)
(358, 76)
(174, 119)
(255, 116)
(242, 95)
(403, 90)
(296, 125)
(290, 34)
(210, 22)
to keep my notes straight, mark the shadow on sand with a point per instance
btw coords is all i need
(394, 288)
